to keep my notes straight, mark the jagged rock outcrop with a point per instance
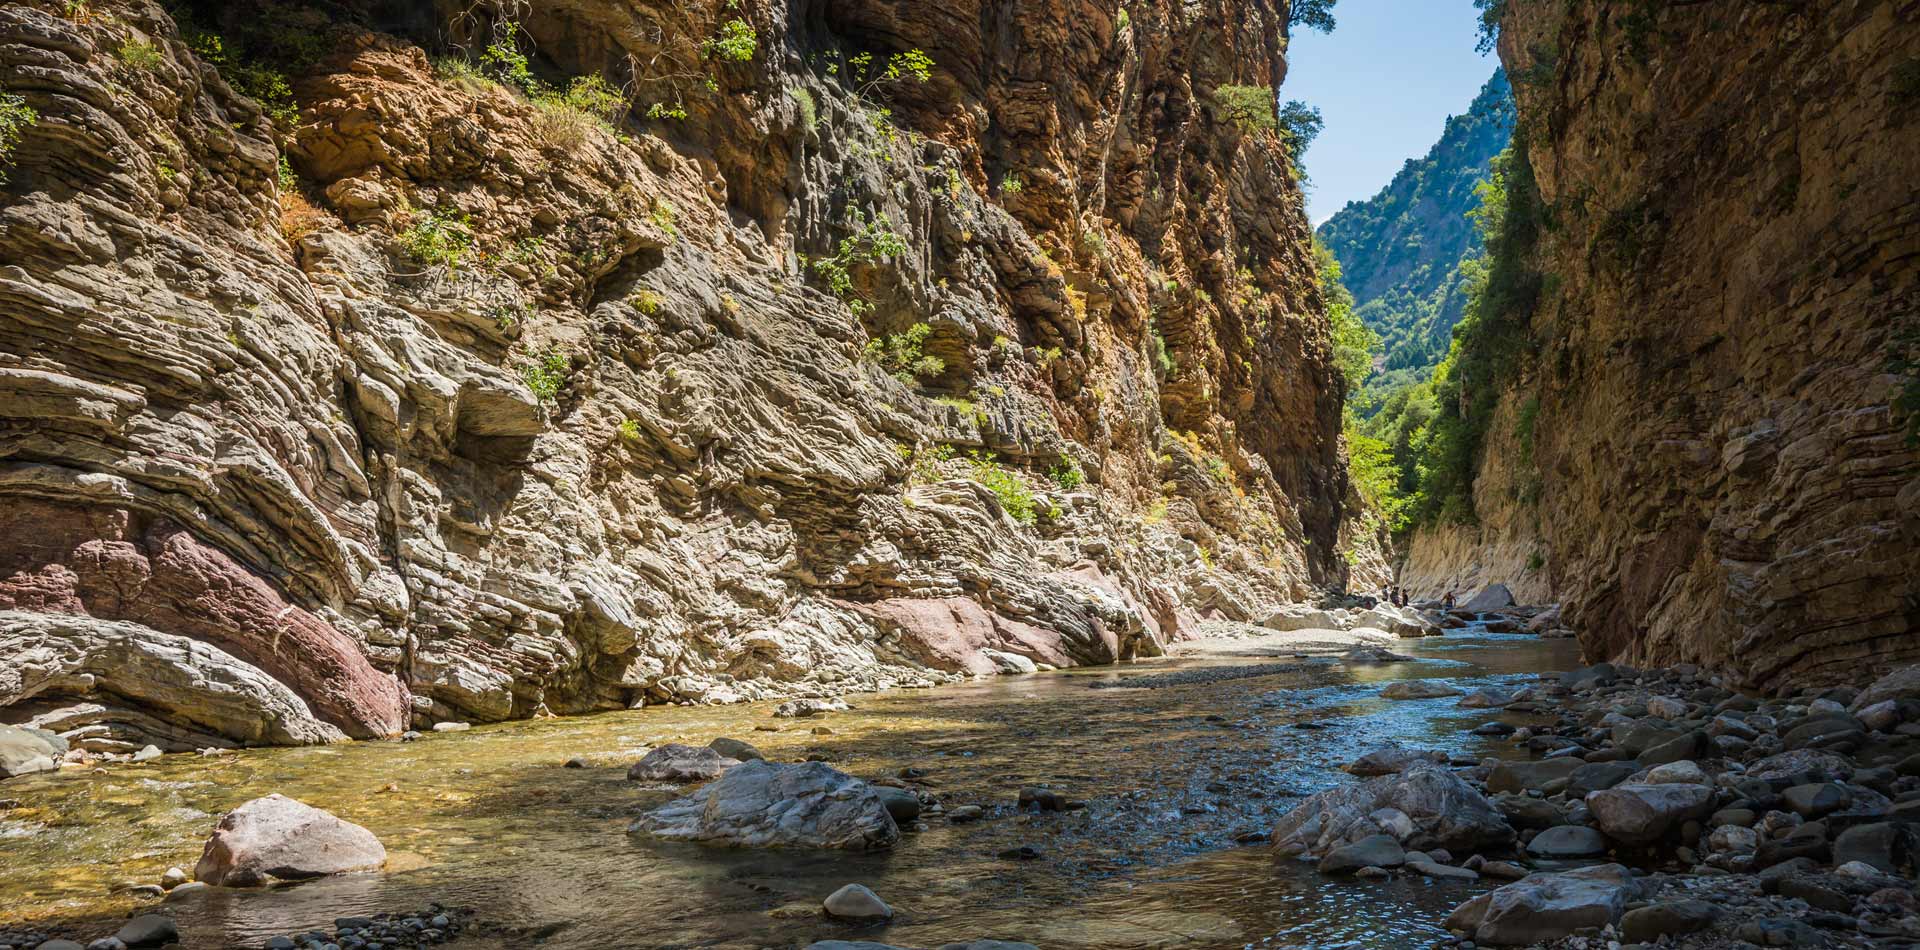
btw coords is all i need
(1733, 195)
(425, 400)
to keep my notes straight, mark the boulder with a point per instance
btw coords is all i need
(1594, 776)
(1567, 841)
(674, 762)
(856, 902)
(1816, 799)
(1599, 674)
(1399, 621)
(903, 805)
(1487, 697)
(1392, 759)
(24, 750)
(1373, 851)
(1733, 839)
(1671, 918)
(735, 749)
(1418, 689)
(1520, 776)
(1301, 617)
(1903, 683)
(1445, 812)
(1886, 846)
(1685, 770)
(762, 804)
(148, 930)
(1494, 597)
(1691, 744)
(802, 708)
(1643, 814)
(277, 837)
(1544, 907)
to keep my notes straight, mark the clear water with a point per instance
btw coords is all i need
(488, 818)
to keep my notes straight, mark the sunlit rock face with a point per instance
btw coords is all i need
(1720, 477)
(480, 410)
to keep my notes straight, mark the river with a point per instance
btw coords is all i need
(489, 819)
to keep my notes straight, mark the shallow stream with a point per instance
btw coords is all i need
(489, 819)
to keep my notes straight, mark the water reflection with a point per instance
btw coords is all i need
(488, 819)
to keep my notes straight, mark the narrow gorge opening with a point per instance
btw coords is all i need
(992, 475)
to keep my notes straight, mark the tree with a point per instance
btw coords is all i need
(1313, 14)
(1490, 13)
(1302, 124)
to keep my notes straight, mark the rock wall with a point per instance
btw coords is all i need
(1505, 546)
(421, 399)
(1733, 237)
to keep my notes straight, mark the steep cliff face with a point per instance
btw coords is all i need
(1732, 236)
(794, 379)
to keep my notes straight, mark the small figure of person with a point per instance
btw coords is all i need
(1447, 602)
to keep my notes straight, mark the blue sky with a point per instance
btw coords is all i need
(1385, 81)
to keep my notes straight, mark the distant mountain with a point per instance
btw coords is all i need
(1401, 250)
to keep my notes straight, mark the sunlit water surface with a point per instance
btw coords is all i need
(489, 819)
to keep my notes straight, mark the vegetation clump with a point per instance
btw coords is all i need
(547, 374)
(871, 241)
(903, 355)
(439, 238)
(15, 118)
(1014, 495)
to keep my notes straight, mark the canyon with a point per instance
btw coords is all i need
(417, 392)
(1699, 453)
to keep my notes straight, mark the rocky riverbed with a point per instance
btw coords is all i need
(1169, 807)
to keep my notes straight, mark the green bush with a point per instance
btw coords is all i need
(1015, 497)
(902, 354)
(547, 374)
(140, 54)
(503, 63)
(1249, 107)
(809, 110)
(1067, 475)
(871, 242)
(15, 117)
(443, 238)
(1353, 342)
(736, 42)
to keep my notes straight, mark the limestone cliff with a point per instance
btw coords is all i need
(418, 395)
(1732, 238)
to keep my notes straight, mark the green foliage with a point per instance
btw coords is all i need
(1122, 22)
(871, 242)
(1067, 475)
(645, 301)
(1015, 497)
(1523, 428)
(139, 54)
(1377, 476)
(589, 102)
(628, 430)
(1161, 357)
(547, 374)
(503, 63)
(256, 46)
(1249, 107)
(1011, 183)
(661, 110)
(1491, 12)
(1300, 125)
(902, 354)
(15, 117)
(1353, 342)
(1401, 251)
(442, 238)
(664, 216)
(1490, 341)
(809, 110)
(1312, 14)
(736, 42)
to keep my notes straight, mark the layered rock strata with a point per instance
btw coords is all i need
(424, 398)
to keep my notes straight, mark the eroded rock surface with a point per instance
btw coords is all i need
(480, 411)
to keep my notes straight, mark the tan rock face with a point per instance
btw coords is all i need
(1735, 199)
(624, 444)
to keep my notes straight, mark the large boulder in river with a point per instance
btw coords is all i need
(24, 750)
(1544, 907)
(1644, 813)
(1444, 812)
(277, 837)
(1387, 760)
(1495, 597)
(1402, 622)
(674, 762)
(1418, 689)
(763, 804)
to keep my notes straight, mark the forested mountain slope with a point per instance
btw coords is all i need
(1402, 251)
